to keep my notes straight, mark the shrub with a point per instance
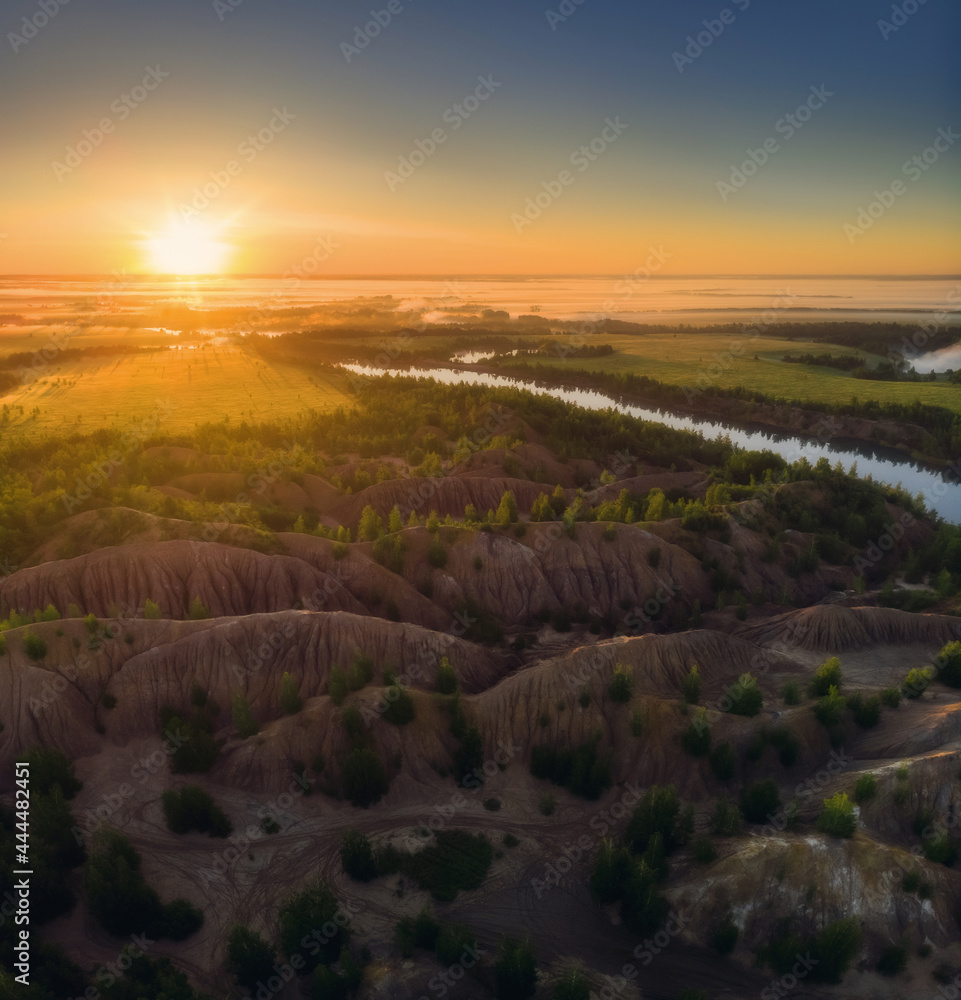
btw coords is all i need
(364, 777)
(547, 804)
(612, 864)
(457, 861)
(400, 708)
(697, 739)
(452, 941)
(659, 813)
(572, 985)
(760, 800)
(835, 947)
(242, 718)
(622, 684)
(151, 610)
(361, 672)
(34, 646)
(791, 693)
(249, 957)
(492, 804)
(50, 769)
(357, 856)
(745, 696)
(703, 850)
(290, 700)
(194, 809)
(949, 665)
(510, 840)
(515, 970)
(198, 610)
(447, 682)
(726, 818)
(637, 723)
(893, 960)
(891, 697)
(306, 911)
(421, 931)
(916, 682)
(826, 676)
(643, 908)
(724, 936)
(437, 553)
(691, 686)
(584, 698)
(337, 685)
(828, 710)
(837, 818)
(865, 788)
(723, 761)
(867, 710)
(787, 744)
(942, 849)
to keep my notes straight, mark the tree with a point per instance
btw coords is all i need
(400, 708)
(829, 709)
(837, 818)
(655, 505)
(949, 665)
(395, 522)
(760, 801)
(364, 777)
(916, 682)
(515, 970)
(744, 697)
(371, 526)
(691, 686)
(447, 682)
(249, 957)
(303, 915)
(242, 718)
(622, 684)
(826, 676)
(507, 509)
(290, 700)
(34, 646)
(612, 865)
(337, 685)
(697, 739)
(198, 611)
(572, 985)
(357, 857)
(151, 610)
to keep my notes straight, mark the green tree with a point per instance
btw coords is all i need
(837, 818)
(371, 526)
(691, 686)
(760, 801)
(655, 505)
(744, 697)
(249, 957)
(357, 857)
(151, 610)
(826, 676)
(507, 509)
(337, 685)
(622, 684)
(572, 985)
(515, 970)
(697, 739)
(395, 523)
(309, 913)
(364, 777)
(243, 719)
(447, 682)
(290, 700)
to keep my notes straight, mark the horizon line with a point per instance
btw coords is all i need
(480, 275)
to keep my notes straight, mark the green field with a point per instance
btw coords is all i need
(187, 387)
(702, 359)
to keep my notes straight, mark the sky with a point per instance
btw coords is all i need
(505, 137)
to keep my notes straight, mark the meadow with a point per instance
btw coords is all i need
(700, 358)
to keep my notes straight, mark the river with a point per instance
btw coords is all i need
(940, 490)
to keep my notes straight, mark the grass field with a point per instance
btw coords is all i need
(700, 359)
(187, 386)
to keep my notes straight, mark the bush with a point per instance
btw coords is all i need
(400, 708)
(364, 777)
(723, 761)
(865, 788)
(916, 682)
(760, 800)
(703, 850)
(893, 960)
(290, 701)
(791, 693)
(837, 818)
(891, 697)
(194, 809)
(452, 941)
(572, 985)
(658, 813)
(34, 646)
(50, 769)
(242, 718)
(622, 684)
(826, 676)
(584, 698)
(447, 682)
(942, 850)
(456, 862)
(547, 804)
(835, 948)
(744, 697)
(492, 804)
(515, 970)
(437, 553)
(637, 723)
(357, 857)
(337, 685)
(310, 910)
(829, 709)
(697, 739)
(249, 957)
(726, 818)
(867, 710)
(691, 686)
(421, 931)
(724, 937)
(151, 610)
(949, 665)
(198, 610)
(361, 672)
(612, 865)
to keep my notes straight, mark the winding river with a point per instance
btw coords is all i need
(940, 489)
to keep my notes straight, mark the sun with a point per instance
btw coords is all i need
(187, 248)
